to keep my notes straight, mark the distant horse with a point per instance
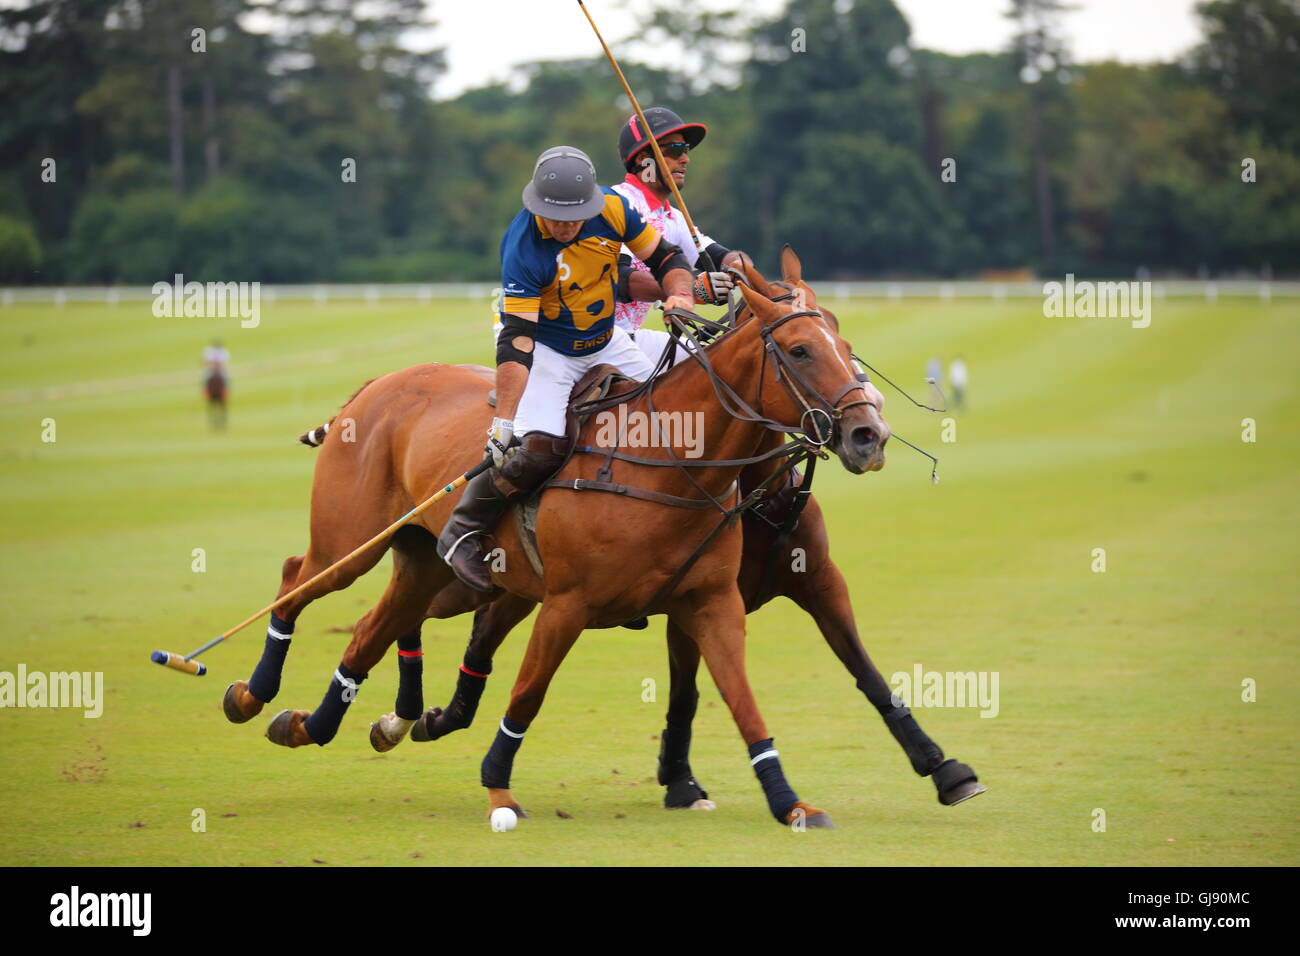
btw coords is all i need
(215, 388)
(608, 557)
(788, 521)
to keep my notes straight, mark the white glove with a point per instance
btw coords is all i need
(712, 288)
(499, 437)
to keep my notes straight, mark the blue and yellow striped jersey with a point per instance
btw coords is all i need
(571, 286)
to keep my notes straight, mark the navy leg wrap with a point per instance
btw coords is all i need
(495, 771)
(324, 721)
(265, 682)
(923, 753)
(469, 688)
(767, 766)
(410, 677)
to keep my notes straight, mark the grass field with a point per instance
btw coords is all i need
(1119, 690)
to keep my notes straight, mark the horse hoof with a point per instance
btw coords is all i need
(703, 805)
(504, 798)
(388, 731)
(684, 794)
(420, 730)
(804, 816)
(230, 703)
(287, 730)
(378, 741)
(956, 783)
(434, 724)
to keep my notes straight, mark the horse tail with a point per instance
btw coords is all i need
(313, 438)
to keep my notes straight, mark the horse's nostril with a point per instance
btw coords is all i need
(864, 437)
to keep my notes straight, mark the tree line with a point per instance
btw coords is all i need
(139, 138)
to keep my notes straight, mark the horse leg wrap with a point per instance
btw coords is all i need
(923, 752)
(675, 768)
(324, 721)
(469, 688)
(410, 677)
(674, 750)
(767, 766)
(265, 682)
(495, 770)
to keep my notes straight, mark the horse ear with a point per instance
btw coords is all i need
(791, 269)
(756, 279)
(762, 307)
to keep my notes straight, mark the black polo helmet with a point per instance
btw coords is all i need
(632, 138)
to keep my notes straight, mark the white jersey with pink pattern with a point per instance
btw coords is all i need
(671, 225)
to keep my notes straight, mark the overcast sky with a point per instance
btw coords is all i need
(484, 39)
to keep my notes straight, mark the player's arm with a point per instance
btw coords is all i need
(635, 285)
(673, 273)
(514, 360)
(708, 287)
(668, 266)
(522, 282)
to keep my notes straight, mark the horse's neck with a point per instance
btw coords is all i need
(737, 360)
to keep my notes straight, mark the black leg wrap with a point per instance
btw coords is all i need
(410, 677)
(675, 768)
(495, 769)
(459, 714)
(324, 721)
(956, 782)
(767, 767)
(674, 748)
(923, 752)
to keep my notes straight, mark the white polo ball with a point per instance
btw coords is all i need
(503, 819)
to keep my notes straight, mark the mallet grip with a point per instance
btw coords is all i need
(176, 662)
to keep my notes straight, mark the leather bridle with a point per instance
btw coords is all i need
(826, 409)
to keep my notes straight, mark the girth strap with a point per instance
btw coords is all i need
(645, 494)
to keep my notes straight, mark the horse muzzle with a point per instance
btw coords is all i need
(862, 445)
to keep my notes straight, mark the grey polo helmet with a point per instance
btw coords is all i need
(564, 186)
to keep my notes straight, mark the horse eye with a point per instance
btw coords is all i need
(799, 352)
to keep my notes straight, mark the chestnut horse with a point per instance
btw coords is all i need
(609, 558)
(773, 531)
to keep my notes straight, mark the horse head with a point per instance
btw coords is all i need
(821, 385)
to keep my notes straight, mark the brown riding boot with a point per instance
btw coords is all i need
(463, 542)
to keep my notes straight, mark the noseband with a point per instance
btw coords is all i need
(820, 408)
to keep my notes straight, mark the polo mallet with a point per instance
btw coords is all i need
(189, 665)
(654, 143)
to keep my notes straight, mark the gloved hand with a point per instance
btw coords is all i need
(499, 437)
(712, 288)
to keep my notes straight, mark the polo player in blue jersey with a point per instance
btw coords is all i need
(559, 273)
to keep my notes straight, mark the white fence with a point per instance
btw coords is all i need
(1208, 289)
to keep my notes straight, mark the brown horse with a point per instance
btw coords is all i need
(609, 558)
(773, 532)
